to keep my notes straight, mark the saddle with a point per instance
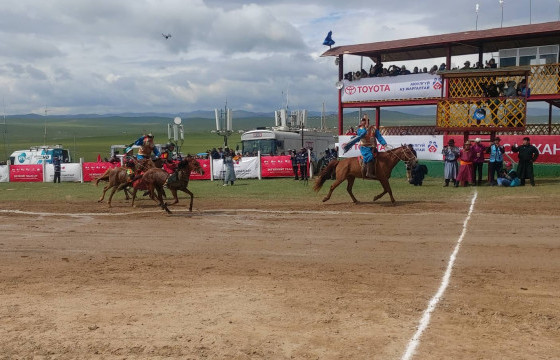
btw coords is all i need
(368, 169)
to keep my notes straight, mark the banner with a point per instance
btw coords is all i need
(276, 166)
(26, 173)
(205, 164)
(401, 87)
(246, 168)
(92, 170)
(428, 147)
(68, 172)
(4, 173)
(548, 145)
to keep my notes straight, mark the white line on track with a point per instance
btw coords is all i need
(425, 320)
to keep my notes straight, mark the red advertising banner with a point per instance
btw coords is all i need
(276, 166)
(92, 170)
(26, 173)
(548, 145)
(205, 164)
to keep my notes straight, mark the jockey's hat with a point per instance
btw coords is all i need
(477, 139)
(150, 135)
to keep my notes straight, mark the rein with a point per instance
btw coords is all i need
(406, 157)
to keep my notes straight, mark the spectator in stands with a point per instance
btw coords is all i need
(376, 70)
(478, 150)
(466, 65)
(409, 164)
(511, 89)
(528, 154)
(364, 74)
(56, 163)
(442, 67)
(394, 70)
(424, 70)
(508, 176)
(415, 70)
(522, 89)
(478, 65)
(465, 165)
(495, 162)
(404, 71)
(351, 131)
(450, 155)
(491, 64)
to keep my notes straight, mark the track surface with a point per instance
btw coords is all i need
(279, 280)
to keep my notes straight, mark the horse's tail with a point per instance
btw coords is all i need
(325, 174)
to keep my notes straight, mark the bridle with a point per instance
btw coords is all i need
(407, 158)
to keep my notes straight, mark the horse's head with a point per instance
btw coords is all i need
(409, 156)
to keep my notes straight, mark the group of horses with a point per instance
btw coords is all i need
(153, 179)
(149, 176)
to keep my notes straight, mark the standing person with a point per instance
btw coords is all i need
(293, 158)
(146, 143)
(302, 162)
(56, 163)
(450, 155)
(466, 156)
(528, 154)
(478, 150)
(409, 165)
(495, 162)
(368, 146)
(229, 176)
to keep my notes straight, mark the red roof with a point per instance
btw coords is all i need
(462, 43)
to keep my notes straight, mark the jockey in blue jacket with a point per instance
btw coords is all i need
(368, 147)
(146, 143)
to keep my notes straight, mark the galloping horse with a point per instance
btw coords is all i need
(118, 178)
(156, 179)
(350, 169)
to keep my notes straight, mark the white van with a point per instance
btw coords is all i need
(40, 155)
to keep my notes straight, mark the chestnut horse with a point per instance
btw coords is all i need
(349, 169)
(118, 178)
(156, 179)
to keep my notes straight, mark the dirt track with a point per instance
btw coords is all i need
(279, 281)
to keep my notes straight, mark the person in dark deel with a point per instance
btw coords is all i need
(528, 154)
(302, 163)
(293, 158)
(56, 164)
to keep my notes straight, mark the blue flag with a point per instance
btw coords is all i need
(328, 40)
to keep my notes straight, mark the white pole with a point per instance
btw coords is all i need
(211, 167)
(82, 170)
(259, 165)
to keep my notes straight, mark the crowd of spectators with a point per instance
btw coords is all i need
(378, 70)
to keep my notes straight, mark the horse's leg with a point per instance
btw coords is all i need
(349, 186)
(191, 195)
(115, 187)
(105, 188)
(134, 190)
(175, 197)
(386, 189)
(333, 186)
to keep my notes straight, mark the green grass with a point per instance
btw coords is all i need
(284, 189)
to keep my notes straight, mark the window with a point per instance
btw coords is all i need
(547, 54)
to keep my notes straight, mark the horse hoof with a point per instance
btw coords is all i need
(325, 199)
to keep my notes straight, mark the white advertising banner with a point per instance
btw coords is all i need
(245, 168)
(4, 173)
(413, 86)
(428, 147)
(68, 172)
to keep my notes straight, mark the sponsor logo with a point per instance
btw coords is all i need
(432, 146)
(21, 157)
(437, 84)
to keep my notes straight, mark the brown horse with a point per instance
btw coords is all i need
(350, 169)
(156, 179)
(118, 178)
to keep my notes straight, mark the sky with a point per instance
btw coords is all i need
(64, 57)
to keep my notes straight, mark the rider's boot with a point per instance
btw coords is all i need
(370, 173)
